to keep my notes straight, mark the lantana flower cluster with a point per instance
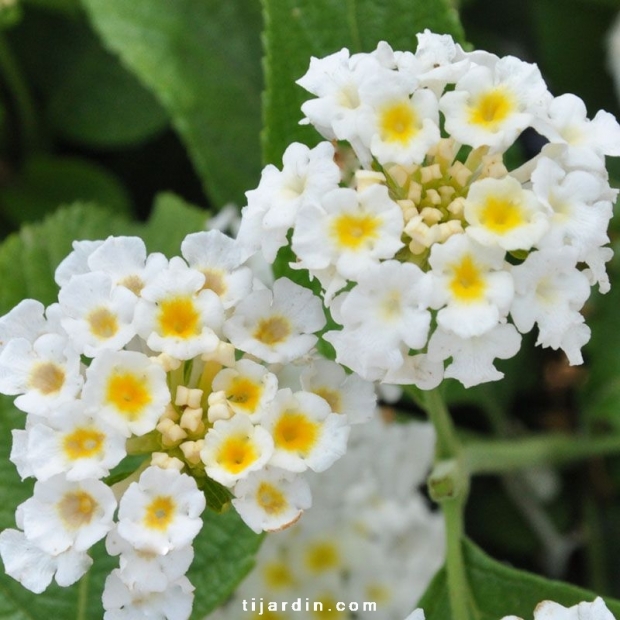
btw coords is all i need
(434, 252)
(370, 536)
(178, 364)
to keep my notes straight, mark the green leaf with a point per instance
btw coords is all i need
(299, 29)
(98, 103)
(45, 183)
(499, 590)
(201, 59)
(171, 220)
(225, 550)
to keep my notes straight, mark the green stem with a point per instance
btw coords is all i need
(83, 597)
(501, 456)
(461, 600)
(448, 445)
(16, 85)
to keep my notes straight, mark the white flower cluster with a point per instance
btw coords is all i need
(181, 361)
(369, 537)
(435, 256)
(548, 610)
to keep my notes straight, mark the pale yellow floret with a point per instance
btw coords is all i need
(457, 206)
(194, 398)
(191, 420)
(165, 461)
(449, 228)
(460, 173)
(493, 167)
(399, 174)
(446, 192)
(191, 451)
(170, 413)
(431, 216)
(218, 407)
(273, 330)
(223, 354)
(415, 192)
(432, 196)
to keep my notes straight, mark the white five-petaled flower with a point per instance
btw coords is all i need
(161, 511)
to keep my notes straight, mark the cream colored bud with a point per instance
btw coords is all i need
(224, 354)
(430, 215)
(181, 396)
(460, 173)
(163, 460)
(432, 196)
(191, 451)
(367, 178)
(194, 398)
(457, 206)
(430, 173)
(414, 193)
(191, 420)
(399, 175)
(167, 362)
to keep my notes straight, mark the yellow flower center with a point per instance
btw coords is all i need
(128, 393)
(278, 575)
(46, 378)
(467, 283)
(270, 499)
(103, 323)
(244, 393)
(354, 231)
(322, 556)
(178, 318)
(398, 122)
(273, 330)
(294, 432)
(160, 513)
(492, 108)
(237, 453)
(501, 216)
(133, 283)
(76, 509)
(83, 443)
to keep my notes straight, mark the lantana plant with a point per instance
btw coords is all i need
(427, 216)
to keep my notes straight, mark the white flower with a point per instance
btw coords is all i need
(472, 358)
(26, 320)
(403, 122)
(500, 212)
(348, 229)
(123, 603)
(76, 262)
(126, 261)
(219, 258)
(472, 288)
(306, 434)
(492, 105)
(64, 515)
(161, 511)
(416, 370)
(271, 499)
(383, 317)
(248, 387)
(566, 122)
(45, 373)
(233, 448)
(273, 206)
(550, 291)
(346, 394)
(97, 314)
(75, 442)
(152, 572)
(548, 610)
(176, 316)
(276, 327)
(34, 568)
(128, 390)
